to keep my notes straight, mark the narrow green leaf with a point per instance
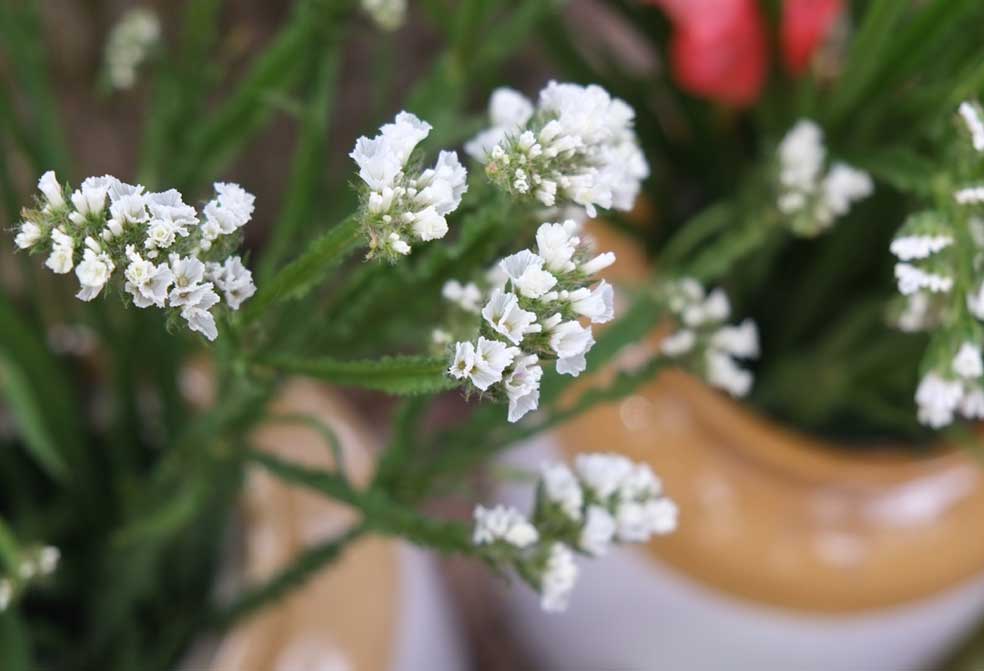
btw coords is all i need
(404, 375)
(307, 166)
(309, 269)
(26, 407)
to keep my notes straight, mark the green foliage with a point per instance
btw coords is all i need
(403, 375)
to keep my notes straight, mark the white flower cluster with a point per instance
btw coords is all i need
(129, 42)
(403, 202)
(957, 388)
(535, 311)
(130, 234)
(387, 14)
(712, 347)
(37, 563)
(812, 198)
(920, 245)
(578, 144)
(606, 499)
(970, 112)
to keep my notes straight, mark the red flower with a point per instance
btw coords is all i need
(806, 25)
(719, 50)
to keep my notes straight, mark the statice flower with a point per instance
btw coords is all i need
(577, 146)
(387, 14)
(535, 311)
(131, 39)
(402, 202)
(703, 342)
(812, 198)
(164, 252)
(35, 564)
(939, 274)
(604, 501)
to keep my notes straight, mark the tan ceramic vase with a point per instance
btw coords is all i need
(791, 553)
(380, 607)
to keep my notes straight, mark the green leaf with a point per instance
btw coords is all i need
(901, 168)
(15, 642)
(404, 375)
(307, 166)
(310, 268)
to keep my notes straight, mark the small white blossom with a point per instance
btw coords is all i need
(128, 45)
(937, 399)
(971, 115)
(602, 474)
(51, 189)
(504, 315)
(522, 385)
(679, 343)
(910, 247)
(28, 235)
(598, 263)
(147, 283)
(93, 272)
(556, 244)
(525, 270)
(724, 373)
(463, 362)
(235, 281)
(597, 532)
(387, 14)
(912, 279)
(466, 296)
(967, 363)
(503, 524)
(801, 156)
(740, 341)
(492, 357)
(597, 304)
(562, 488)
(558, 580)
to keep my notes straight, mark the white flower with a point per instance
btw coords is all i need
(570, 339)
(48, 559)
(465, 296)
(740, 341)
(598, 263)
(967, 363)
(975, 302)
(801, 156)
(562, 488)
(188, 275)
(556, 244)
(443, 186)
(429, 225)
(910, 247)
(508, 110)
(195, 309)
(640, 483)
(51, 189)
(387, 14)
(937, 399)
(235, 281)
(504, 315)
(503, 524)
(146, 282)
(378, 164)
(522, 387)
(637, 522)
(464, 360)
(972, 118)
(88, 201)
(129, 209)
(398, 244)
(597, 532)
(62, 257)
(170, 207)
(491, 359)
(603, 474)
(28, 235)
(525, 269)
(93, 272)
(842, 187)
(558, 579)
(598, 304)
(231, 209)
(912, 279)
(679, 343)
(724, 373)
(128, 45)
(972, 403)
(972, 195)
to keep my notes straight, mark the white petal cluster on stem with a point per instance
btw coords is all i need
(605, 500)
(576, 145)
(536, 310)
(169, 255)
